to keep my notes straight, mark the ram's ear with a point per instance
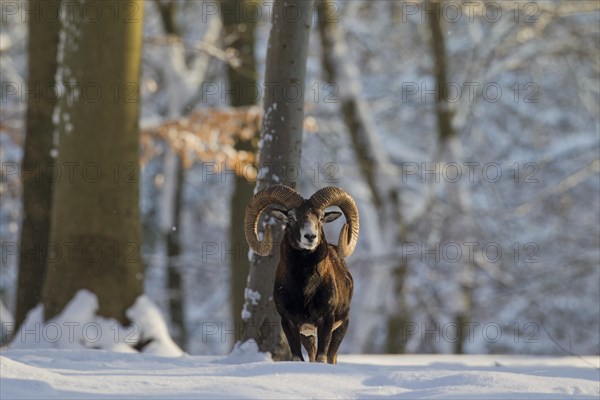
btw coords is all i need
(280, 215)
(331, 216)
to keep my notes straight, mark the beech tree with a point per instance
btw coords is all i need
(37, 157)
(96, 228)
(238, 34)
(280, 147)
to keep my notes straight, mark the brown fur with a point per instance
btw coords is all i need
(314, 288)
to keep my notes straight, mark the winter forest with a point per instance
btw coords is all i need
(134, 134)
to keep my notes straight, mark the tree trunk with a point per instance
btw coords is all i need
(239, 35)
(37, 188)
(440, 71)
(238, 32)
(173, 191)
(171, 227)
(400, 316)
(279, 150)
(96, 228)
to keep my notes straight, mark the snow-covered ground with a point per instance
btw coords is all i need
(86, 374)
(60, 359)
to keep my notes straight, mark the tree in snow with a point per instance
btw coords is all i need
(279, 148)
(37, 188)
(238, 37)
(96, 222)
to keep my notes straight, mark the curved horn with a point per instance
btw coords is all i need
(333, 196)
(277, 194)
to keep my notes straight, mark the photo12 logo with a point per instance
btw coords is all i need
(491, 12)
(267, 11)
(71, 172)
(72, 91)
(89, 12)
(456, 92)
(462, 252)
(90, 251)
(326, 172)
(291, 92)
(72, 332)
(489, 332)
(469, 171)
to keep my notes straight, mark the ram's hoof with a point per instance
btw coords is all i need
(322, 358)
(296, 359)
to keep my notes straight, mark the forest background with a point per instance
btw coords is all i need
(467, 132)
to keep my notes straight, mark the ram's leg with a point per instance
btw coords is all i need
(309, 345)
(324, 338)
(336, 339)
(293, 337)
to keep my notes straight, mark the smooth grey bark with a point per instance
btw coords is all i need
(279, 150)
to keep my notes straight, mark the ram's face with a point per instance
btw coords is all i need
(305, 225)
